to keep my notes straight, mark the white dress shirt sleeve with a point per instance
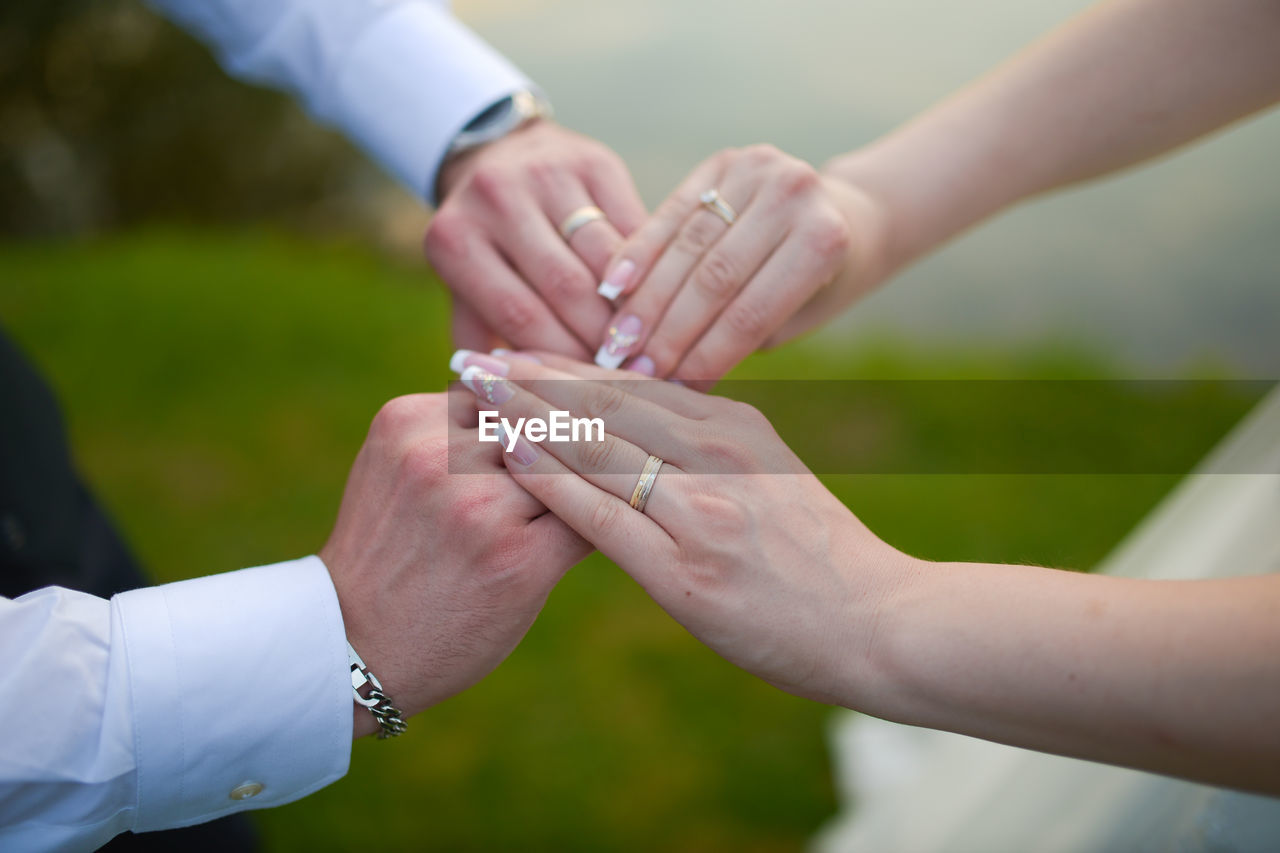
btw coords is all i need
(150, 710)
(398, 77)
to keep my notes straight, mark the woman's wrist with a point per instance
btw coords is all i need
(897, 242)
(868, 672)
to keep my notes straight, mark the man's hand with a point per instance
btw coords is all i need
(441, 562)
(496, 241)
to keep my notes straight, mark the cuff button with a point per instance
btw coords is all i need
(245, 790)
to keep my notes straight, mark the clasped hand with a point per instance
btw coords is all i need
(442, 561)
(440, 566)
(686, 293)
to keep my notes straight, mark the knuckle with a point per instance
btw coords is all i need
(425, 462)
(506, 560)
(829, 237)
(561, 283)
(544, 175)
(585, 156)
(595, 457)
(514, 316)
(762, 153)
(446, 237)
(606, 514)
(721, 516)
(672, 209)
(397, 417)
(499, 559)
(748, 319)
(605, 162)
(798, 178)
(716, 277)
(704, 365)
(723, 455)
(663, 352)
(726, 156)
(472, 509)
(746, 414)
(696, 235)
(603, 401)
(492, 186)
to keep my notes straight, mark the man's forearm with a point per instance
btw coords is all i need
(1126, 81)
(1176, 677)
(169, 705)
(398, 79)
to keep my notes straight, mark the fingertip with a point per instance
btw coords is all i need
(643, 365)
(520, 455)
(618, 278)
(518, 355)
(458, 361)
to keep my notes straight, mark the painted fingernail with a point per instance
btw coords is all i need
(623, 335)
(643, 364)
(464, 358)
(487, 386)
(522, 451)
(617, 280)
(523, 356)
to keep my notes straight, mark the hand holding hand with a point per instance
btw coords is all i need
(781, 249)
(496, 239)
(439, 572)
(738, 541)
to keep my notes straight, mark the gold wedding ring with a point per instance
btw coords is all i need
(580, 217)
(714, 202)
(640, 495)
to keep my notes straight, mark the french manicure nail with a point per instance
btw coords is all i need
(523, 356)
(464, 358)
(523, 452)
(487, 386)
(642, 364)
(617, 280)
(622, 336)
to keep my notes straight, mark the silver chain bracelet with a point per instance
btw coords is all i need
(378, 703)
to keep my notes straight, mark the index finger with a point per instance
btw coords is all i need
(624, 414)
(635, 259)
(669, 395)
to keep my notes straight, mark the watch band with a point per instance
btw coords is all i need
(494, 122)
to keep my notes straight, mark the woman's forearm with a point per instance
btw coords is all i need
(1126, 81)
(1176, 677)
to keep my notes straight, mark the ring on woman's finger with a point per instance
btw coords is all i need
(580, 217)
(714, 202)
(648, 474)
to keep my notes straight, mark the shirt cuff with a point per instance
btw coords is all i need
(413, 80)
(239, 683)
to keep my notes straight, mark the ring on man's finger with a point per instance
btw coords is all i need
(580, 217)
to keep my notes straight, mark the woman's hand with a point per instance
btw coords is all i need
(702, 292)
(746, 549)
(738, 541)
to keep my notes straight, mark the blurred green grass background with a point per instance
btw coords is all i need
(218, 385)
